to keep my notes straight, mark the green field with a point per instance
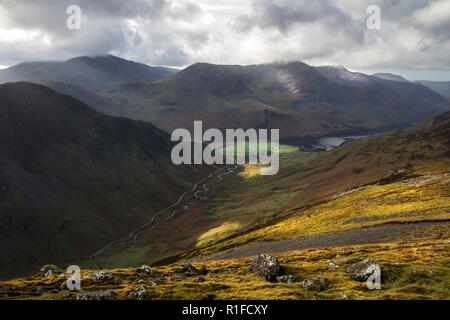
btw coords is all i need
(283, 148)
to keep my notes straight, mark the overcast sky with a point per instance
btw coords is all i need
(414, 39)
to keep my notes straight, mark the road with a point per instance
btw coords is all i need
(368, 235)
(152, 223)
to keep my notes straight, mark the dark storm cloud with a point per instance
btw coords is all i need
(107, 26)
(414, 33)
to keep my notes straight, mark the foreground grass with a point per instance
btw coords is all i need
(413, 270)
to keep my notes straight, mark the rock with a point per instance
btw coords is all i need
(199, 279)
(332, 266)
(100, 275)
(361, 271)
(48, 270)
(286, 279)
(320, 279)
(188, 269)
(147, 269)
(91, 295)
(310, 285)
(49, 273)
(138, 292)
(266, 266)
(343, 297)
(152, 283)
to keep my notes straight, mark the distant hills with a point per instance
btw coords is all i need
(443, 88)
(73, 179)
(299, 99)
(88, 72)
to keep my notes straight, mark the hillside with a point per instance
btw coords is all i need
(298, 99)
(392, 187)
(400, 176)
(443, 87)
(72, 179)
(248, 207)
(88, 72)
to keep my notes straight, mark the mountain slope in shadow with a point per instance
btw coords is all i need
(73, 179)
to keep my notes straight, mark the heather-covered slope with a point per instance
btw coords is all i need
(72, 179)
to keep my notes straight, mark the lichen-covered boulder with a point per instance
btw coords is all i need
(48, 270)
(266, 266)
(361, 271)
(147, 269)
(100, 276)
(311, 285)
(138, 292)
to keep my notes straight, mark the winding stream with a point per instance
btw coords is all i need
(152, 223)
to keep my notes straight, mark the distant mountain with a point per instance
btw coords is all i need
(390, 76)
(73, 179)
(441, 87)
(297, 98)
(88, 72)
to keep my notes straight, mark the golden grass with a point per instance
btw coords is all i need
(414, 270)
(423, 198)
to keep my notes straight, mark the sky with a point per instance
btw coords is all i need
(413, 38)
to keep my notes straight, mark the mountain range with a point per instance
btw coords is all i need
(91, 73)
(299, 99)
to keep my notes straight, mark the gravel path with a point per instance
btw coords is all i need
(367, 235)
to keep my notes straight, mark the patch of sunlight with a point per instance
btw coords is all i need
(250, 171)
(214, 234)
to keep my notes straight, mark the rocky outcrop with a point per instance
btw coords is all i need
(48, 270)
(266, 266)
(361, 271)
(100, 276)
(138, 292)
(189, 270)
(315, 283)
(147, 269)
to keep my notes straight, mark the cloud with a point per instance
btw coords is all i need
(414, 34)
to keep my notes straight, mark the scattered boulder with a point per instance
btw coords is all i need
(48, 270)
(343, 297)
(315, 283)
(286, 279)
(320, 279)
(100, 275)
(266, 266)
(332, 266)
(361, 271)
(310, 285)
(188, 269)
(138, 292)
(147, 269)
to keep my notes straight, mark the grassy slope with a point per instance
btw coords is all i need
(413, 270)
(298, 201)
(414, 266)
